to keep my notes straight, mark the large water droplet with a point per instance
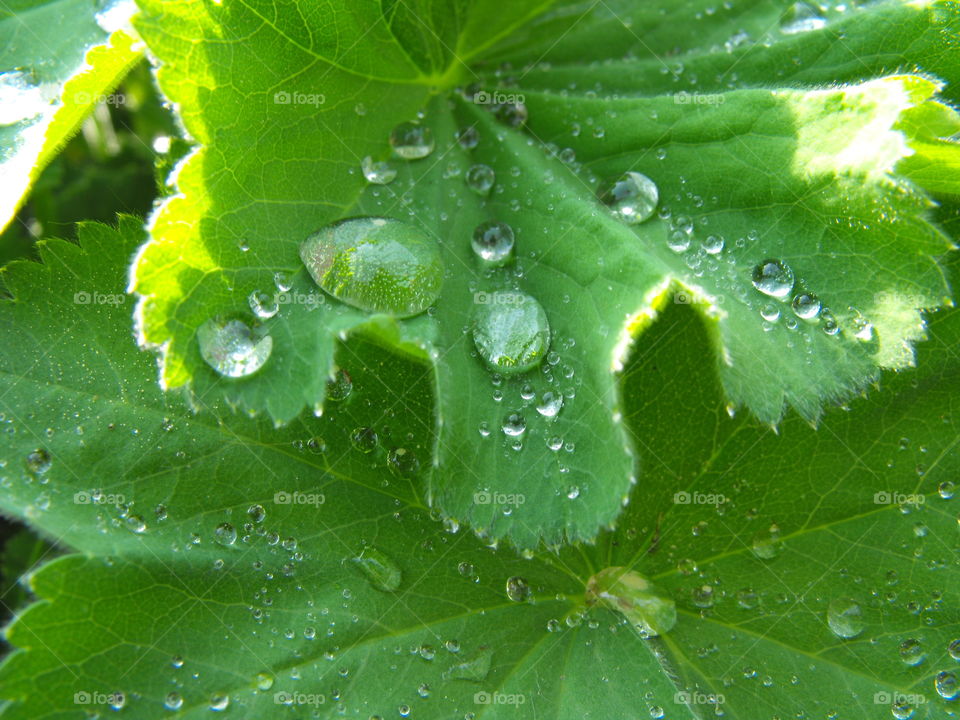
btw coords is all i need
(632, 197)
(651, 611)
(225, 534)
(380, 570)
(480, 179)
(514, 425)
(378, 173)
(493, 242)
(517, 589)
(375, 264)
(845, 618)
(773, 278)
(411, 141)
(550, 404)
(946, 685)
(511, 332)
(233, 348)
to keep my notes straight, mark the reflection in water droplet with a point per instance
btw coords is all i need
(511, 332)
(379, 265)
(550, 404)
(845, 618)
(806, 306)
(232, 348)
(632, 197)
(912, 652)
(411, 141)
(493, 242)
(773, 278)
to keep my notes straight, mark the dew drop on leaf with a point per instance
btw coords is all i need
(493, 242)
(39, 461)
(219, 702)
(511, 337)
(475, 666)
(773, 278)
(805, 306)
(845, 618)
(403, 462)
(378, 173)
(517, 589)
(650, 610)
(232, 348)
(632, 197)
(380, 570)
(173, 701)
(468, 137)
(550, 404)
(912, 652)
(225, 534)
(513, 114)
(954, 649)
(364, 439)
(378, 265)
(339, 386)
(263, 681)
(480, 178)
(411, 141)
(514, 425)
(256, 513)
(263, 305)
(946, 685)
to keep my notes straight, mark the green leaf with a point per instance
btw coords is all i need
(50, 80)
(167, 609)
(797, 166)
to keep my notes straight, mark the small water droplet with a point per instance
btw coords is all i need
(378, 173)
(493, 242)
(773, 278)
(225, 534)
(912, 652)
(632, 197)
(339, 386)
(805, 306)
(411, 141)
(514, 425)
(468, 137)
(946, 685)
(39, 461)
(517, 589)
(550, 404)
(480, 178)
(364, 439)
(263, 305)
(219, 702)
(403, 462)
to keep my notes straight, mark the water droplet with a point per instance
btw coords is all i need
(225, 534)
(845, 618)
(517, 589)
(770, 312)
(219, 702)
(376, 264)
(511, 337)
(378, 173)
(911, 652)
(411, 141)
(645, 606)
(550, 404)
(954, 649)
(493, 242)
(828, 323)
(678, 241)
(474, 667)
(480, 179)
(39, 461)
(263, 305)
(632, 197)
(339, 386)
(514, 425)
(773, 278)
(513, 114)
(380, 570)
(801, 17)
(767, 546)
(135, 524)
(713, 244)
(176, 661)
(902, 710)
(257, 513)
(173, 701)
(806, 306)
(232, 348)
(468, 137)
(946, 685)
(403, 462)
(263, 681)
(946, 489)
(364, 439)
